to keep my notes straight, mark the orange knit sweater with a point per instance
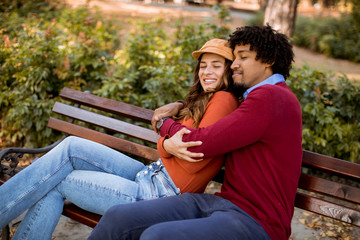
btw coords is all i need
(193, 177)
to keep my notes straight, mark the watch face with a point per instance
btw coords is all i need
(159, 124)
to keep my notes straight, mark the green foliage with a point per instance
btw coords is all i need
(355, 13)
(331, 120)
(335, 37)
(155, 66)
(42, 49)
(257, 19)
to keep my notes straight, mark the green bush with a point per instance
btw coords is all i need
(42, 50)
(155, 66)
(257, 19)
(44, 47)
(335, 37)
(330, 108)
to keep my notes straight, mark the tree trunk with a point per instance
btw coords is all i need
(262, 4)
(281, 15)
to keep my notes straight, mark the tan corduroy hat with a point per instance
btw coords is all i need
(217, 46)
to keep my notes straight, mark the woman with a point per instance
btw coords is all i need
(95, 177)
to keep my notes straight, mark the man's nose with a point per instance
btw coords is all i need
(234, 65)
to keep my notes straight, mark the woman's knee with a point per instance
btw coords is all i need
(73, 143)
(70, 140)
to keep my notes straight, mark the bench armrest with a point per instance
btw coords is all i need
(12, 155)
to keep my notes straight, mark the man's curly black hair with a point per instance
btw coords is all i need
(270, 46)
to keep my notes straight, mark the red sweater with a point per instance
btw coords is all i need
(264, 135)
(190, 176)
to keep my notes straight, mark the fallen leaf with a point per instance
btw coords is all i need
(331, 234)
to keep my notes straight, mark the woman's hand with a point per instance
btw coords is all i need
(178, 148)
(167, 110)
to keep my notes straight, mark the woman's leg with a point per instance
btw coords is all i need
(31, 184)
(90, 190)
(41, 219)
(96, 191)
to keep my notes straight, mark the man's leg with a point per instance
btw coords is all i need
(220, 225)
(188, 216)
(128, 221)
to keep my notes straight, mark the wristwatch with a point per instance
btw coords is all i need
(161, 122)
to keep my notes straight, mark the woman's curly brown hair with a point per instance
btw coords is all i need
(270, 46)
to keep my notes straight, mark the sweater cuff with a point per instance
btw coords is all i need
(160, 147)
(164, 130)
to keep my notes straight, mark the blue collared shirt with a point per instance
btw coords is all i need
(274, 79)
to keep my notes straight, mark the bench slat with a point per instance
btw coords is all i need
(338, 190)
(74, 212)
(106, 122)
(330, 164)
(107, 105)
(327, 209)
(110, 141)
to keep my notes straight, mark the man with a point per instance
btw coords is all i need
(263, 138)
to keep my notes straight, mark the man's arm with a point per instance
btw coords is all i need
(243, 127)
(221, 105)
(175, 146)
(167, 110)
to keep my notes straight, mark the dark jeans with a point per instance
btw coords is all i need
(187, 216)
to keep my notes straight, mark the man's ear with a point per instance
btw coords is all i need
(269, 65)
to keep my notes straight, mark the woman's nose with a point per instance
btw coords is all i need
(208, 70)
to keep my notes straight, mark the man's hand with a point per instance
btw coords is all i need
(167, 110)
(178, 148)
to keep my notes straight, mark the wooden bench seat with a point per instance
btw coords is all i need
(328, 186)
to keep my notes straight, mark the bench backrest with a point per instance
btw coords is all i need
(334, 191)
(124, 115)
(325, 196)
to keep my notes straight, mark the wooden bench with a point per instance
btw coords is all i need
(126, 128)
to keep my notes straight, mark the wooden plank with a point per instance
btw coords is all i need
(4, 178)
(328, 209)
(110, 141)
(74, 212)
(339, 190)
(330, 164)
(108, 105)
(106, 122)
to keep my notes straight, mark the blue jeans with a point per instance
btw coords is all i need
(91, 175)
(188, 216)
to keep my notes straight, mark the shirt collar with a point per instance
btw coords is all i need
(274, 79)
